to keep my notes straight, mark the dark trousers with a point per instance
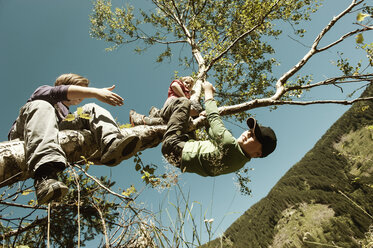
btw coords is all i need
(176, 113)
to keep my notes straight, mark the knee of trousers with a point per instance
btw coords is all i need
(184, 101)
(90, 106)
(40, 105)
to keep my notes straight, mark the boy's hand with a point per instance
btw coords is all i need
(107, 96)
(209, 90)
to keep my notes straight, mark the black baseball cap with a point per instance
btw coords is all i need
(265, 135)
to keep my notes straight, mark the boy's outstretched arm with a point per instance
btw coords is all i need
(102, 94)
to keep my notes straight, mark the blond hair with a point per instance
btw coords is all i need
(71, 79)
(187, 79)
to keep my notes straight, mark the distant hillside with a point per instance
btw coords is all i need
(326, 198)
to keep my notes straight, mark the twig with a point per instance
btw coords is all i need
(128, 200)
(49, 225)
(37, 222)
(280, 85)
(107, 244)
(22, 206)
(78, 189)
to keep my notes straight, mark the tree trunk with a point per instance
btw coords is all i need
(76, 144)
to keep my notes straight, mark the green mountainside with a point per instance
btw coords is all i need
(325, 200)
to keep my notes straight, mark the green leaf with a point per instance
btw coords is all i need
(359, 38)
(129, 191)
(70, 117)
(79, 110)
(85, 116)
(26, 192)
(361, 16)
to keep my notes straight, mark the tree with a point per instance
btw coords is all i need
(222, 40)
(227, 39)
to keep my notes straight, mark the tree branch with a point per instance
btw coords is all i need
(342, 80)
(266, 102)
(344, 37)
(280, 89)
(12, 204)
(20, 230)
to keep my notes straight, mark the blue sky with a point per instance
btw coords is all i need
(42, 39)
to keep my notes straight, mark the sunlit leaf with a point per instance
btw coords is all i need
(79, 110)
(26, 192)
(361, 16)
(85, 116)
(70, 117)
(129, 191)
(128, 125)
(359, 38)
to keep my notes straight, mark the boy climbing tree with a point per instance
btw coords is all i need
(222, 153)
(44, 114)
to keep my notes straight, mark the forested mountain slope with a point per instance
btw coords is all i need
(326, 198)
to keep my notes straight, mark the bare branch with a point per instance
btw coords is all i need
(283, 79)
(35, 223)
(107, 243)
(163, 42)
(127, 199)
(344, 37)
(266, 102)
(342, 102)
(335, 80)
(12, 204)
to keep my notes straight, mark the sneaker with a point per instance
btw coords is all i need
(120, 148)
(49, 189)
(154, 112)
(136, 119)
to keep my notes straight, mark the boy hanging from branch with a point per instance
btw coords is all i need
(43, 116)
(221, 153)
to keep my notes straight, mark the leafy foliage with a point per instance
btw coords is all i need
(230, 36)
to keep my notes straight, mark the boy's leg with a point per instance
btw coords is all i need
(114, 146)
(137, 119)
(37, 126)
(176, 112)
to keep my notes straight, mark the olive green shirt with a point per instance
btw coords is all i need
(221, 154)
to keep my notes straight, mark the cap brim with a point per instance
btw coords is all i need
(252, 124)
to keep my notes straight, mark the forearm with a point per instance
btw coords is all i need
(177, 90)
(79, 92)
(209, 94)
(104, 94)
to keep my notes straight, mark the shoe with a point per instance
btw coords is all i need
(49, 189)
(154, 112)
(120, 148)
(139, 119)
(136, 119)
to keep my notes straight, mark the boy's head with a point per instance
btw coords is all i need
(188, 82)
(258, 141)
(71, 79)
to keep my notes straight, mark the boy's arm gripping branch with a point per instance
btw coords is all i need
(217, 129)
